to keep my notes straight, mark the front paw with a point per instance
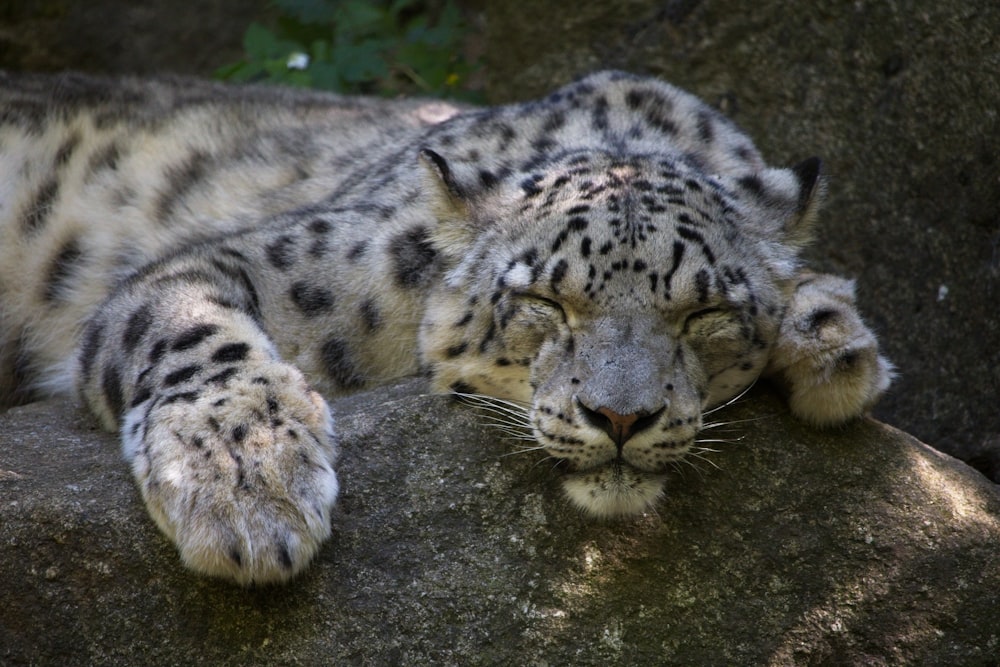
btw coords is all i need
(238, 473)
(826, 357)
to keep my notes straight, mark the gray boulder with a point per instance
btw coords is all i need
(788, 546)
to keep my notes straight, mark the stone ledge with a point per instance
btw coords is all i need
(859, 545)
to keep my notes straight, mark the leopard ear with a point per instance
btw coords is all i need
(812, 189)
(789, 197)
(445, 179)
(454, 229)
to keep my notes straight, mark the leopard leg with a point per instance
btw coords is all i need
(232, 451)
(826, 358)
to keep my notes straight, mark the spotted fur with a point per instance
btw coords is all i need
(204, 262)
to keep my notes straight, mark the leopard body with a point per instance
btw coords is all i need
(205, 263)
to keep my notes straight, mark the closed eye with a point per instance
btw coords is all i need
(541, 300)
(697, 316)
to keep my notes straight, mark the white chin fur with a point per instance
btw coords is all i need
(614, 490)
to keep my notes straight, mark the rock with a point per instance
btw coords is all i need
(788, 546)
(899, 99)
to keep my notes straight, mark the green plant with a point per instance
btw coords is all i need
(387, 47)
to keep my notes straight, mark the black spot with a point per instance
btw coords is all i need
(285, 557)
(752, 184)
(181, 180)
(553, 122)
(310, 299)
(413, 257)
(230, 353)
(370, 314)
(239, 275)
(66, 150)
(280, 252)
(669, 276)
(181, 375)
(491, 333)
(141, 396)
(357, 250)
(191, 337)
(92, 341)
(706, 127)
(691, 235)
(585, 246)
(460, 387)
(745, 153)
(339, 366)
(106, 158)
(456, 350)
(487, 178)
(559, 241)
(558, 273)
(530, 187)
(655, 109)
(599, 114)
(848, 359)
(577, 224)
(137, 326)
(635, 98)
(701, 283)
(638, 266)
(222, 376)
(236, 557)
(62, 267)
(111, 386)
(40, 206)
(157, 351)
(465, 319)
(606, 248)
(820, 317)
(320, 226)
(240, 433)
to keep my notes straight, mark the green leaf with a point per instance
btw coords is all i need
(387, 46)
(359, 19)
(326, 76)
(360, 62)
(309, 11)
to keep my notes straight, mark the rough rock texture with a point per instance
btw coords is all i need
(787, 547)
(899, 98)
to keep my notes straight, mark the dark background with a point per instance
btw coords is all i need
(901, 100)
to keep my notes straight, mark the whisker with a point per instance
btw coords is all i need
(487, 400)
(721, 441)
(506, 420)
(731, 400)
(707, 460)
(524, 450)
(735, 421)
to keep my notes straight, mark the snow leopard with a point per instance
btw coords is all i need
(207, 264)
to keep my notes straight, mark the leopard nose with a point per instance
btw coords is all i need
(619, 427)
